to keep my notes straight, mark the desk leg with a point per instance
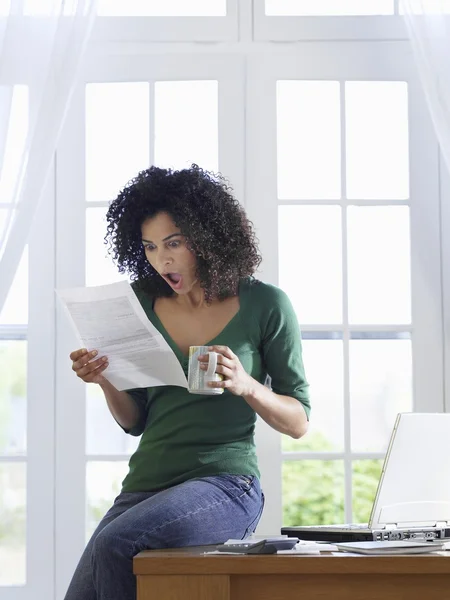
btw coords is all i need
(183, 587)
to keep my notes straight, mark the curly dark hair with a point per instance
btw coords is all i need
(201, 204)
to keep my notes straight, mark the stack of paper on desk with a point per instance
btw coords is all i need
(110, 319)
(390, 547)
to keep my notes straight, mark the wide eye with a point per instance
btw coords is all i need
(148, 247)
(174, 244)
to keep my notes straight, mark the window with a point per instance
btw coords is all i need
(184, 118)
(333, 154)
(340, 187)
(13, 369)
(117, 128)
(374, 270)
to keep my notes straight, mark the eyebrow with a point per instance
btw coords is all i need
(165, 239)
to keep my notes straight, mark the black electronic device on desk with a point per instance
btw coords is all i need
(265, 546)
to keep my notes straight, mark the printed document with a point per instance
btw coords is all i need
(110, 319)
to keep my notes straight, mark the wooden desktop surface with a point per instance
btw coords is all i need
(189, 574)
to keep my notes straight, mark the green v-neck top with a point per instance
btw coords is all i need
(185, 435)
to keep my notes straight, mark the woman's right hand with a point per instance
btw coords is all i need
(89, 372)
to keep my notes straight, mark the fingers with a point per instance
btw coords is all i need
(88, 369)
(226, 361)
(220, 384)
(224, 370)
(96, 376)
(225, 355)
(82, 359)
(76, 354)
(224, 350)
(85, 367)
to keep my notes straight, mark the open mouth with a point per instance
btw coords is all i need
(173, 279)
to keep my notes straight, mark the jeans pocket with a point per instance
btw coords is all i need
(251, 528)
(234, 484)
(246, 480)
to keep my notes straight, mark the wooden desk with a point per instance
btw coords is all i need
(188, 574)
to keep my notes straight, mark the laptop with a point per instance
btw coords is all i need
(413, 495)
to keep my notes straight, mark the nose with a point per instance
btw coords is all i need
(164, 259)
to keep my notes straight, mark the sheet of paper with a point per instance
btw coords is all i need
(305, 550)
(110, 319)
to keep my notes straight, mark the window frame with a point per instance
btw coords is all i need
(445, 241)
(327, 28)
(40, 456)
(56, 413)
(168, 29)
(373, 63)
(70, 231)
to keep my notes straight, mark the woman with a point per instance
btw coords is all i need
(191, 253)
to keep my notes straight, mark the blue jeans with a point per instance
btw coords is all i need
(198, 512)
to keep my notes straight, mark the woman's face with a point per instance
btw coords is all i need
(166, 250)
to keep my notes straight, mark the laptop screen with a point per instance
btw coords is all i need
(414, 487)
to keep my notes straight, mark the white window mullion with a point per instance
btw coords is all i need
(427, 335)
(41, 400)
(232, 124)
(345, 323)
(445, 241)
(151, 122)
(261, 161)
(261, 206)
(70, 393)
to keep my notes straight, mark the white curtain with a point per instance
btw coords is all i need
(428, 24)
(42, 44)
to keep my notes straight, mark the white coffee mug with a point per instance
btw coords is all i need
(198, 379)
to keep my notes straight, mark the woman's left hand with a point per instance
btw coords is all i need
(235, 378)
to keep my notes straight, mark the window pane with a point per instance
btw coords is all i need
(103, 434)
(15, 309)
(163, 8)
(310, 261)
(15, 140)
(5, 7)
(103, 484)
(366, 474)
(326, 431)
(329, 7)
(12, 524)
(309, 140)
(313, 492)
(377, 140)
(100, 268)
(379, 278)
(186, 124)
(13, 397)
(380, 388)
(117, 136)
